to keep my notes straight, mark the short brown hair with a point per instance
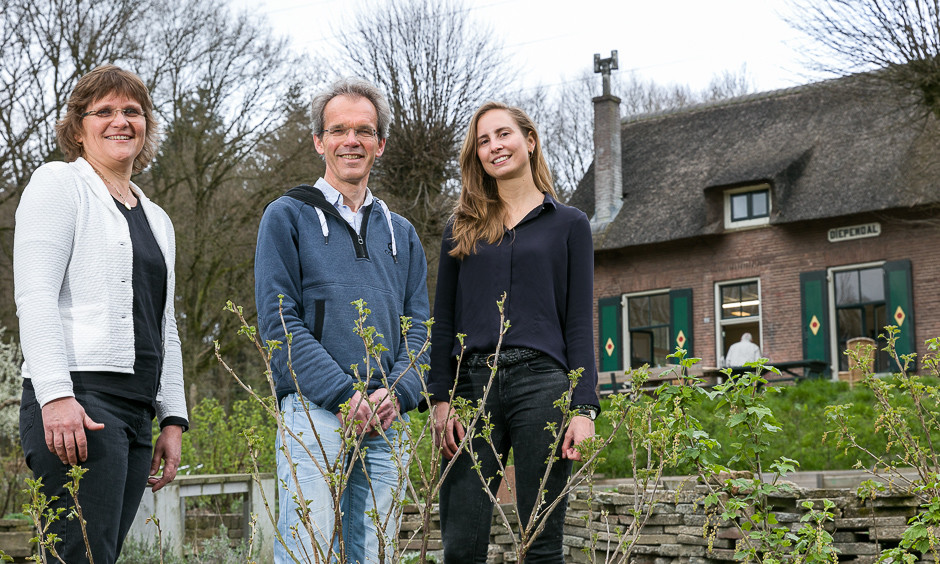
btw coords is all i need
(97, 84)
(356, 88)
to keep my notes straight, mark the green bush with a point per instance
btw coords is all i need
(801, 411)
(216, 443)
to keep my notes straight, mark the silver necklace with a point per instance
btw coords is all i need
(108, 183)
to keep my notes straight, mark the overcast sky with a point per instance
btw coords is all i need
(669, 41)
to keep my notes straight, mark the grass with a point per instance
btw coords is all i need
(801, 411)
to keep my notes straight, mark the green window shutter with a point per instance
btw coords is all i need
(814, 305)
(899, 302)
(680, 321)
(610, 332)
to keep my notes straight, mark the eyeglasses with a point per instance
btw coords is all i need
(362, 133)
(110, 113)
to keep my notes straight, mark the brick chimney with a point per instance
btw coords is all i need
(608, 179)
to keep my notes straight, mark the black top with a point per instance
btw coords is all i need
(148, 282)
(546, 267)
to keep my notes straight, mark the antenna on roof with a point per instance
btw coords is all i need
(604, 66)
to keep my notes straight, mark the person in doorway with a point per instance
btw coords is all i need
(742, 352)
(93, 269)
(509, 234)
(320, 248)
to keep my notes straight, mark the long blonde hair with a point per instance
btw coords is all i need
(478, 215)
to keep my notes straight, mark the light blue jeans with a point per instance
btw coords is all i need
(373, 487)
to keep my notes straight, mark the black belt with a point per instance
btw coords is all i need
(507, 357)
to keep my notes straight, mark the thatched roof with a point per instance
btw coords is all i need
(829, 149)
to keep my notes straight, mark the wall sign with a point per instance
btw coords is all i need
(839, 234)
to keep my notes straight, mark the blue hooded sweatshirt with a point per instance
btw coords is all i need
(311, 256)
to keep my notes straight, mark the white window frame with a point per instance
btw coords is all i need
(720, 322)
(625, 316)
(833, 329)
(744, 223)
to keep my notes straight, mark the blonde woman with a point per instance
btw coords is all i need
(510, 234)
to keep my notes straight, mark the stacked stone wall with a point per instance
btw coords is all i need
(679, 529)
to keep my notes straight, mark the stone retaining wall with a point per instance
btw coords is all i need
(679, 530)
(14, 538)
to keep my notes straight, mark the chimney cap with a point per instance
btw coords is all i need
(606, 65)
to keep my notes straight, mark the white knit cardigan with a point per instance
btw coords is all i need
(72, 266)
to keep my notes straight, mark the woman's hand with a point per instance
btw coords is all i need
(168, 449)
(579, 429)
(448, 430)
(64, 421)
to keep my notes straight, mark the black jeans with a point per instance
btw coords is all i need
(118, 466)
(520, 406)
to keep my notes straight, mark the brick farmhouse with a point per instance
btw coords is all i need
(804, 217)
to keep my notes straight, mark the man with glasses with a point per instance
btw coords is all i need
(321, 248)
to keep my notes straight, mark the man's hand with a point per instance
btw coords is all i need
(168, 449)
(65, 421)
(579, 429)
(360, 413)
(388, 409)
(448, 430)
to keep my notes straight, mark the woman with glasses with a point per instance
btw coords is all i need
(93, 266)
(508, 234)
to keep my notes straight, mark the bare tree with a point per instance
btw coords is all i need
(45, 46)
(436, 66)
(728, 84)
(287, 157)
(221, 86)
(899, 40)
(222, 83)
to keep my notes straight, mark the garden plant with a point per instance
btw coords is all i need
(658, 433)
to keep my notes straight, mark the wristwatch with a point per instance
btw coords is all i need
(588, 411)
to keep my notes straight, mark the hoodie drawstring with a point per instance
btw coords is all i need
(323, 225)
(391, 230)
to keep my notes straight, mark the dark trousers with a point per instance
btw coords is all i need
(118, 465)
(520, 405)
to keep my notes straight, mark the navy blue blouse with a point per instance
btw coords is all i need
(545, 265)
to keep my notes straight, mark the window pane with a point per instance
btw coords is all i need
(659, 309)
(740, 300)
(749, 310)
(847, 291)
(749, 292)
(849, 325)
(882, 359)
(730, 298)
(873, 285)
(730, 294)
(738, 207)
(759, 203)
(871, 327)
(639, 311)
(641, 348)
(649, 329)
(661, 345)
(750, 300)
